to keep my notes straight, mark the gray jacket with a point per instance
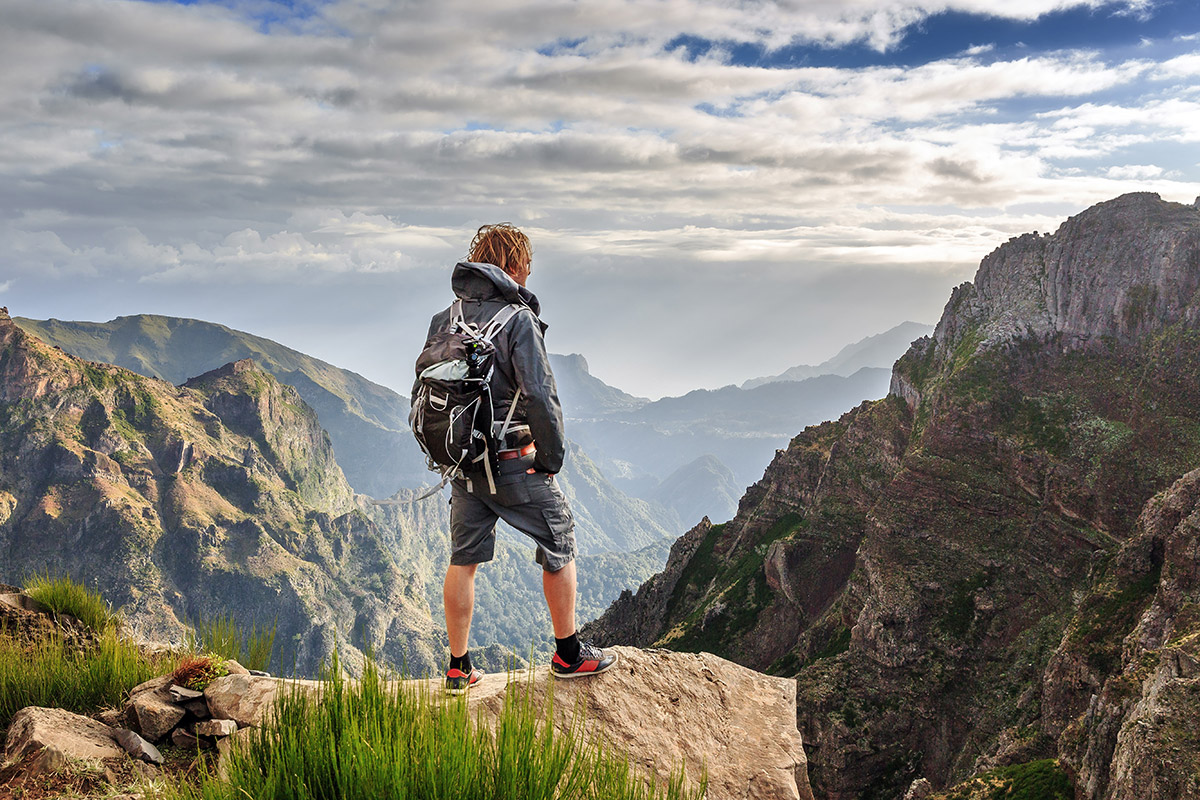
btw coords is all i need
(521, 358)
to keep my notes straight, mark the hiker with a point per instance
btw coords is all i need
(517, 483)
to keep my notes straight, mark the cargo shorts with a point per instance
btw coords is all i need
(530, 502)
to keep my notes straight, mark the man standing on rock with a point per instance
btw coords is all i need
(526, 493)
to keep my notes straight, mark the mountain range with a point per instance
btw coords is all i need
(217, 497)
(995, 565)
(879, 351)
(623, 539)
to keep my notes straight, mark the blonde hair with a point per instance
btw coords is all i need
(502, 245)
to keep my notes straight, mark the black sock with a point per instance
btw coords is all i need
(462, 662)
(568, 648)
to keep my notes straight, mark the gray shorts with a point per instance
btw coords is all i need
(533, 504)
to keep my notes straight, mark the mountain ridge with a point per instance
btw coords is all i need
(975, 571)
(219, 497)
(878, 350)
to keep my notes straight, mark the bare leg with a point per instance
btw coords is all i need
(458, 597)
(560, 597)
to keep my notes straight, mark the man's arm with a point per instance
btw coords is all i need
(531, 366)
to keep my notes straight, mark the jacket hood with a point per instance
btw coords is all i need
(474, 281)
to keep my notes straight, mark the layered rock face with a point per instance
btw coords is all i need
(218, 497)
(957, 575)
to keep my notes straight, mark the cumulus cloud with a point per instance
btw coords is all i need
(162, 146)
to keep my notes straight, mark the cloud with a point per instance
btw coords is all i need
(1134, 171)
(164, 148)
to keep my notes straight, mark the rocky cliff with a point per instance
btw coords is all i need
(217, 497)
(980, 570)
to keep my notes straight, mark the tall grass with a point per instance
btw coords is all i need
(65, 596)
(382, 738)
(251, 647)
(51, 673)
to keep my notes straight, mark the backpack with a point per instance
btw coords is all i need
(452, 417)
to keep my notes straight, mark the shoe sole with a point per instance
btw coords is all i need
(616, 658)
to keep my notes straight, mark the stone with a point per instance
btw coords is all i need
(920, 789)
(181, 694)
(225, 747)
(152, 685)
(154, 715)
(260, 673)
(216, 727)
(197, 708)
(741, 724)
(138, 747)
(68, 734)
(246, 699)
(235, 668)
(50, 759)
(113, 717)
(181, 738)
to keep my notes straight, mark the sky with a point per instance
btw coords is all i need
(715, 189)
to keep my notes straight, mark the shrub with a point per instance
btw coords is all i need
(196, 672)
(65, 596)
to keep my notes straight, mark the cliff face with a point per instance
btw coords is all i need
(217, 497)
(951, 573)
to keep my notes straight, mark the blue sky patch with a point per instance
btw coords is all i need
(951, 34)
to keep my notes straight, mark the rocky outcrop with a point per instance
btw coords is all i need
(69, 735)
(638, 621)
(218, 498)
(1123, 689)
(956, 574)
(736, 725)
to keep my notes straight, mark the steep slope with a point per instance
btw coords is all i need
(368, 423)
(878, 351)
(218, 497)
(953, 571)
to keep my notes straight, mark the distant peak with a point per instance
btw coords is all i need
(575, 361)
(225, 371)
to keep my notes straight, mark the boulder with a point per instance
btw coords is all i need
(246, 699)
(663, 708)
(154, 715)
(235, 668)
(67, 735)
(138, 747)
(216, 727)
(152, 685)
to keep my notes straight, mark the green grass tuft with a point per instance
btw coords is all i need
(251, 647)
(379, 737)
(50, 673)
(64, 596)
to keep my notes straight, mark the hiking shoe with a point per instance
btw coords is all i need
(592, 660)
(457, 681)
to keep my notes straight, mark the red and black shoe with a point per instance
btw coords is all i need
(592, 661)
(457, 681)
